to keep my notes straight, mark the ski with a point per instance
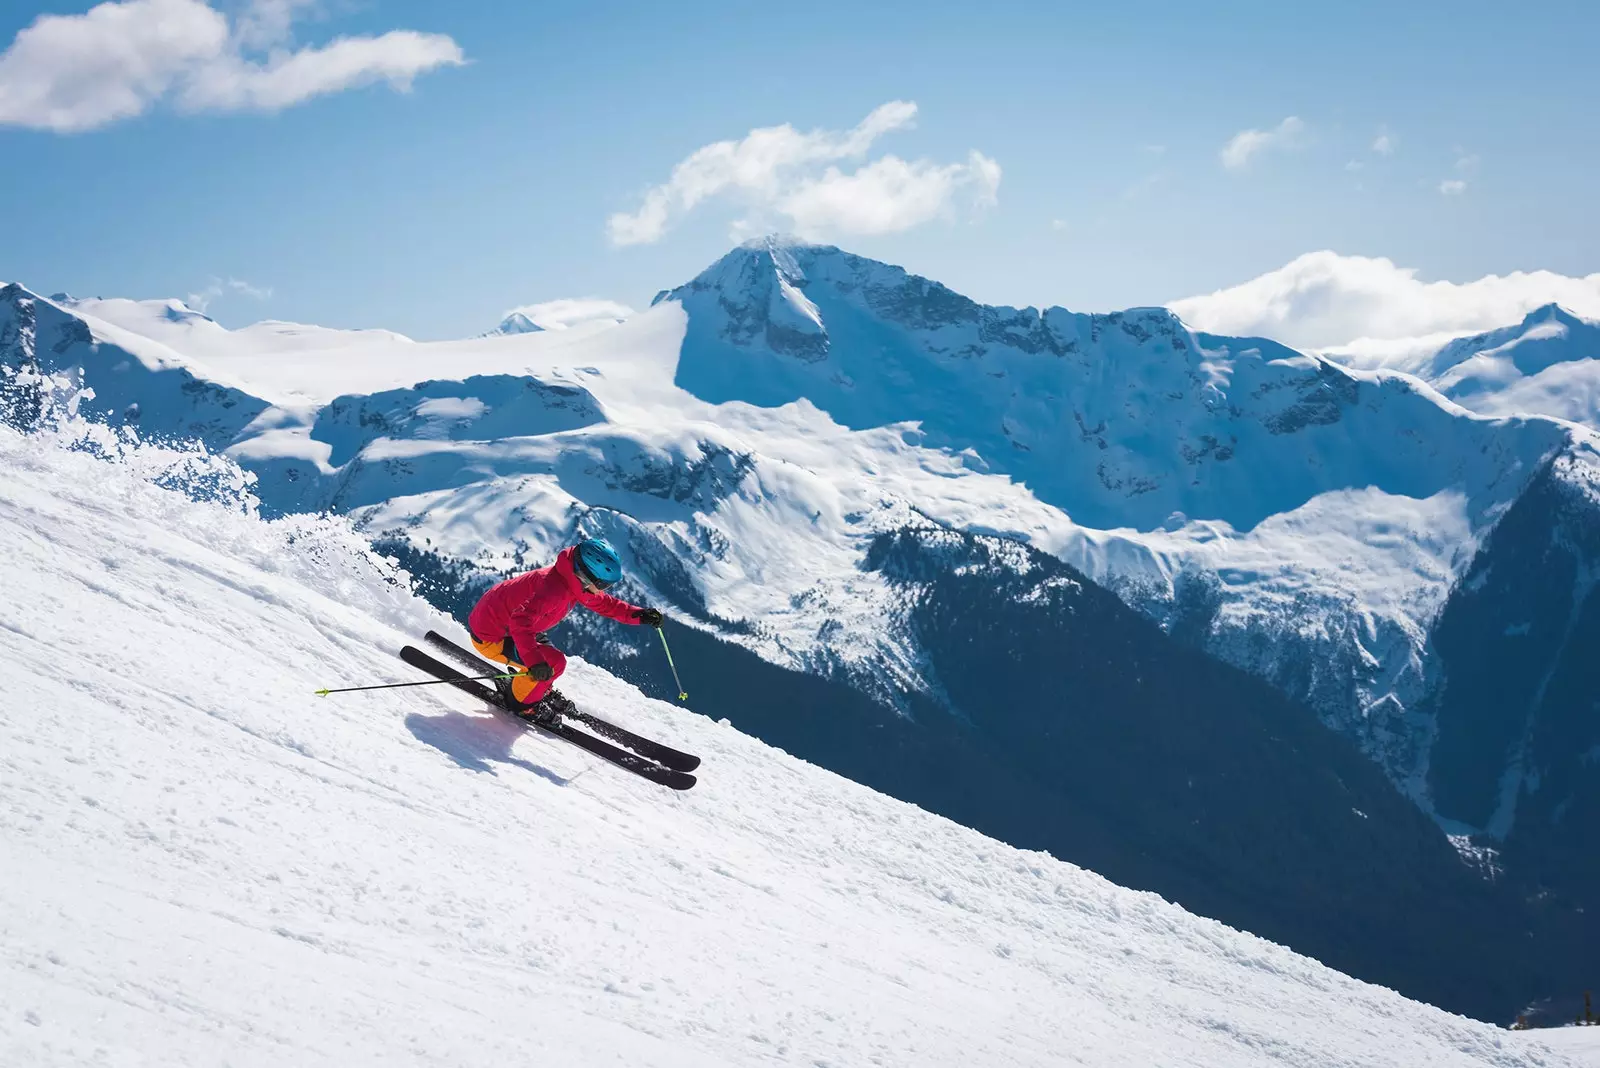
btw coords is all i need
(644, 768)
(645, 747)
(419, 659)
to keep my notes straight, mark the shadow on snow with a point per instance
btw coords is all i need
(476, 743)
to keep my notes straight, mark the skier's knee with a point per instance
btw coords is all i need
(555, 659)
(494, 650)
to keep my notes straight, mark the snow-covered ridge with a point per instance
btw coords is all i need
(1119, 420)
(1548, 364)
(229, 868)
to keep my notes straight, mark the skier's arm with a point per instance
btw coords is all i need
(610, 607)
(524, 630)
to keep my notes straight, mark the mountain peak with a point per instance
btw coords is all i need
(773, 242)
(1555, 313)
(176, 311)
(752, 266)
(515, 323)
(1489, 371)
(756, 269)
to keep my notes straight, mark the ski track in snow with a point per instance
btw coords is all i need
(206, 863)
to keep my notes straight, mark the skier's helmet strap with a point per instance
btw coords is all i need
(597, 562)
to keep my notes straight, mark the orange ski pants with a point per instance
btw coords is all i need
(524, 688)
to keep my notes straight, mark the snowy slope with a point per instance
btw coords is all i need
(1582, 1044)
(205, 862)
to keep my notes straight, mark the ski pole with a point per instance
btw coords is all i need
(397, 685)
(682, 694)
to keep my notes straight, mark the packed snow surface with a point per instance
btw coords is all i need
(205, 863)
(1580, 1043)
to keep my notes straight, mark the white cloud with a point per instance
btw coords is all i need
(570, 311)
(265, 23)
(76, 72)
(1324, 300)
(780, 170)
(1354, 165)
(1452, 187)
(1385, 143)
(887, 196)
(1236, 154)
(70, 73)
(201, 300)
(232, 83)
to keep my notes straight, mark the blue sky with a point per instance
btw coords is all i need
(490, 183)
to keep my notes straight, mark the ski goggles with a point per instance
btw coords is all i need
(588, 581)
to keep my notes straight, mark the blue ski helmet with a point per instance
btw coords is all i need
(598, 562)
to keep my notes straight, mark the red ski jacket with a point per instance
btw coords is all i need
(528, 605)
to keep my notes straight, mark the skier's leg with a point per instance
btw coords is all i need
(503, 651)
(494, 650)
(525, 688)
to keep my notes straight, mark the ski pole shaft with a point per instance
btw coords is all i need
(682, 694)
(398, 685)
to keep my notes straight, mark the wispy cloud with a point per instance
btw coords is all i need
(1143, 185)
(1385, 143)
(568, 312)
(70, 73)
(1325, 300)
(780, 170)
(1466, 165)
(201, 299)
(1247, 144)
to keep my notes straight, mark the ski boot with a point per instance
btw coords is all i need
(548, 710)
(502, 689)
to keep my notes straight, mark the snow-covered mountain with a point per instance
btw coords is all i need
(205, 863)
(1548, 364)
(750, 438)
(517, 323)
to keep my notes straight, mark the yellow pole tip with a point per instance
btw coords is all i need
(322, 693)
(683, 697)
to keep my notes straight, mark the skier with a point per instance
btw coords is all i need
(508, 623)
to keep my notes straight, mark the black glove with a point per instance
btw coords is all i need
(540, 672)
(648, 616)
